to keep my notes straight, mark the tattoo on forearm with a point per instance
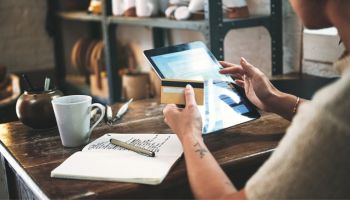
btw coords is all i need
(200, 150)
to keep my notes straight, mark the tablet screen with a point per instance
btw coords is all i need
(193, 64)
(224, 107)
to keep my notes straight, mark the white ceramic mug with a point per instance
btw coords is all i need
(73, 118)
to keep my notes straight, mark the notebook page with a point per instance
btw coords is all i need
(109, 167)
(161, 144)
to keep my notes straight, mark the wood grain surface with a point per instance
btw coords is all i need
(39, 152)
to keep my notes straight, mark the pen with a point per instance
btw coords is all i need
(132, 147)
(109, 115)
(123, 109)
(47, 84)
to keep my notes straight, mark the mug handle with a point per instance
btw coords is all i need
(102, 108)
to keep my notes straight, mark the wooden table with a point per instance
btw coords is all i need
(29, 156)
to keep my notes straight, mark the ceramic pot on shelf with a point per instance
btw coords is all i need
(235, 8)
(129, 8)
(147, 8)
(117, 7)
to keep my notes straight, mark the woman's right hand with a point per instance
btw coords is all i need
(259, 89)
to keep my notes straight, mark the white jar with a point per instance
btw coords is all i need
(147, 8)
(118, 7)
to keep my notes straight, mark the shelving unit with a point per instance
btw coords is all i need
(214, 27)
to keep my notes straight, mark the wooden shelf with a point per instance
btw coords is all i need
(80, 16)
(160, 22)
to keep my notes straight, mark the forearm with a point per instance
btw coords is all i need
(284, 104)
(207, 179)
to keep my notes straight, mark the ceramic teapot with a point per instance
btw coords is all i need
(34, 108)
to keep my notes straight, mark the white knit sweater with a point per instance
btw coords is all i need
(313, 158)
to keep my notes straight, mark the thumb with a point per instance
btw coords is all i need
(247, 67)
(190, 96)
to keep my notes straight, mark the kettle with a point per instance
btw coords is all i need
(34, 108)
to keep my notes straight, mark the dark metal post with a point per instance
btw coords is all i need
(54, 29)
(109, 39)
(158, 37)
(215, 33)
(276, 32)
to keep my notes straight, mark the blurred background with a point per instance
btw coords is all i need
(96, 47)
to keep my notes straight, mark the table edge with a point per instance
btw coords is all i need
(21, 172)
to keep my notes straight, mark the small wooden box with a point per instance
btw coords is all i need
(99, 90)
(134, 86)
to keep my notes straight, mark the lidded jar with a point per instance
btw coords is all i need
(34, 108)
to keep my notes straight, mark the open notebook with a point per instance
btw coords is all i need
(101, 160)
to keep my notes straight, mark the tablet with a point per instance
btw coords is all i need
(225, 103)
(191, 61)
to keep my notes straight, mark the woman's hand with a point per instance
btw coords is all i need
(184, 121)
(259, 89)
(207, 179)
(257, 86)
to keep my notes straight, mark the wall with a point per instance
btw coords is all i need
(24, 43)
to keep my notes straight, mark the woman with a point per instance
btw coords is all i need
(312, 160)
